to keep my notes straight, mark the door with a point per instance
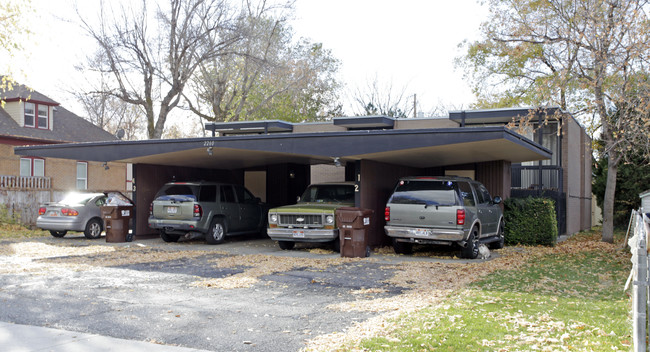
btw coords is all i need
(229, 208)
(486, 212)
(249, 209)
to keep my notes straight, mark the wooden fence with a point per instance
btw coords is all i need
(25, 182)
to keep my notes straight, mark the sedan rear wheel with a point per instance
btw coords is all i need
(93, 229)
(58, 234)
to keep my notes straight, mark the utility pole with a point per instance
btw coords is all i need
(415, 105)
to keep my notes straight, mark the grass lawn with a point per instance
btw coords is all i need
(569, 298)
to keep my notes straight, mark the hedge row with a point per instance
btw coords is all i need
(530, 221)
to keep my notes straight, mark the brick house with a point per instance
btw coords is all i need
(28, 117)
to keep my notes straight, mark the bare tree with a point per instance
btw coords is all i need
(266, 76)
(153, 54)
(104, 109)
(382, 99)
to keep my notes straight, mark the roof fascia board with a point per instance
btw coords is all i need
(318, 144)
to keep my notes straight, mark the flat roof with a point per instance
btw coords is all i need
(245, 127)
(415, 148)
(492, 116)
(358, 122)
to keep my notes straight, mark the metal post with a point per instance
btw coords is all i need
(639, 291)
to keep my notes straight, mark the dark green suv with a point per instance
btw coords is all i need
(443, 210)
(210, 209)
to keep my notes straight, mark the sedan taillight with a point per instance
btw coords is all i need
(460, 217)
(41, 211)
(69, 212)
(198, 212)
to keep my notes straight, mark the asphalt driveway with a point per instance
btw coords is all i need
(170, 293)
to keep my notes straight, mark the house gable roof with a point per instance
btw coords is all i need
(67, 126)
(24, 93)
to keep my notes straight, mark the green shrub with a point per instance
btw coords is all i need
(530, 221)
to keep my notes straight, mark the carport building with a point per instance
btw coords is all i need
(277, 160)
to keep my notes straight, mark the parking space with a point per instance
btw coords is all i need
(245, 294)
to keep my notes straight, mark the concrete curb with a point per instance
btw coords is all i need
(19, 338)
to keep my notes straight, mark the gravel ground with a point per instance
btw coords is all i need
(148, 291)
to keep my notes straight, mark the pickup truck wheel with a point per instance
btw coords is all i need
(470, 251)
(58, 234)
(217, 232)
(93, 229)
(402, 247)
(501, 238)
(286, 245)
(169, 238)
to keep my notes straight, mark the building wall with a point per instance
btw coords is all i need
(403, 124)
(16, 111)
(586, 192)
(495, 175)
(327, 173)
(317, 127)
(63, 177)
(576, 162)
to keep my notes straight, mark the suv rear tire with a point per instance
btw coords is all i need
(402, 247)
(216, 233)
(168, 238)
(470, 251)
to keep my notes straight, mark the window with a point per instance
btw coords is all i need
(426, 192)
(32, 167)
(31, 119)
(208, 193)
(42, 116)
(243, 195)
(227, 194)
(30, 108)
(467, 194)
(82, 175)
(550, 140)
(484, 194)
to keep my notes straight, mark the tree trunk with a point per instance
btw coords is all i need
(608, 202)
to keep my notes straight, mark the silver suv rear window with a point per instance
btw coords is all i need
(178, 192)
(425, 192)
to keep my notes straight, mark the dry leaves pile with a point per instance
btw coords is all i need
(258, 265)
(430, 285)
(35, 257)
(130, 255)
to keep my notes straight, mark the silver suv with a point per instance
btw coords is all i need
(210, 209)
(443, 210)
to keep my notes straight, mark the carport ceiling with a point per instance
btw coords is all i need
(414, 148)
